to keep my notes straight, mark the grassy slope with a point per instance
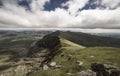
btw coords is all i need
(68, 43)
(101, 54)
(89, 40)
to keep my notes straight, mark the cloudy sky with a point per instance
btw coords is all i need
(60, 14)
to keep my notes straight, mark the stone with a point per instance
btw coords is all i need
(53, 64)
(115, 73)
(92, 56)
(45, 67)
(77, 61)
(68, 73)
(97, 67)
(58, 66)
(110, 66)
(105, 69)
(87, 73)
(80, 63)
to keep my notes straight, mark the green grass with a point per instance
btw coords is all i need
(50, 72)
(89, 40)
(107, 55)
(68, 43)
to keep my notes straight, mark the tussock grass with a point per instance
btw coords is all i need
(109, 55)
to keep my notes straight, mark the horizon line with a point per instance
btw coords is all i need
(85, 30)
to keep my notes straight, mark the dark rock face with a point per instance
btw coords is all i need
(49, 41)
(47, 44)
(99, 69)
(105, 70)
(41, 52)
(115, 73)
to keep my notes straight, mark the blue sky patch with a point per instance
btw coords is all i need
(53, 4)
(93, 5)
(25, 3)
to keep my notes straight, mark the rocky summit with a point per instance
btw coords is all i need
(42, 52)
(47, 44)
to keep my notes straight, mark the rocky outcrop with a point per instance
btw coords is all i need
(48, 43)
(105, 69)
(42, 51)
(87, 73)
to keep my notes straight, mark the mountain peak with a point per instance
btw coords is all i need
(50, 42)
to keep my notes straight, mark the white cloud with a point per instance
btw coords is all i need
(100, 18)
(111, 3)
(12, 15)
(38, 4)
(75, 5)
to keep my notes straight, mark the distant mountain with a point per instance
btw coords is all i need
(116, 35)
(88, 40)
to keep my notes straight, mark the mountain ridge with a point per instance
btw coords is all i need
(71, 53)
(66, 51)
(88, 40)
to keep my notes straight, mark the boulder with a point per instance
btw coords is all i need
(108, 66)
(115, 73)
(105, 70)
(97, 67)
(87, 73)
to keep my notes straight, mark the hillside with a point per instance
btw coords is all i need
(89, 40)
(57, 54)
(104, 55)
(70, 53)
(65, 43)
